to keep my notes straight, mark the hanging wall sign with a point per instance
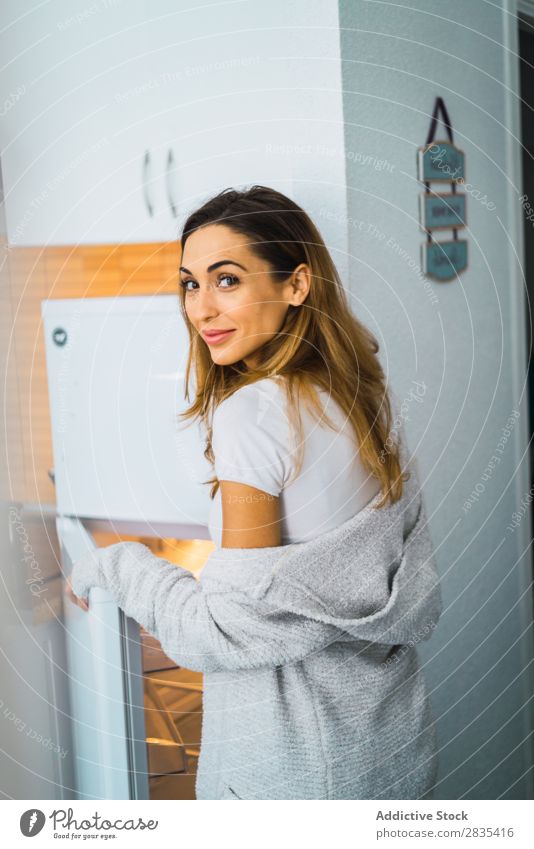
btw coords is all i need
(443, 210)
(443, 259)
(442, 162)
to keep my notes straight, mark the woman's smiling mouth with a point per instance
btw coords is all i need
(212, 337)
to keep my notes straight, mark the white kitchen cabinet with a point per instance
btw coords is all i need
(126, 107)
(255, 93)
(71, 172)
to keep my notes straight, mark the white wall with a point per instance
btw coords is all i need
(463, 339)
(36, 759)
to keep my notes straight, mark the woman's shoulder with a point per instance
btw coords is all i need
(260, 402)
(250, 437)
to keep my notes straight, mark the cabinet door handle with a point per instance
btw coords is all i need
(146, 166)
(170, 163)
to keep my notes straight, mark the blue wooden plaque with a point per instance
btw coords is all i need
(441, 161)
(438, 211)
(444, 260)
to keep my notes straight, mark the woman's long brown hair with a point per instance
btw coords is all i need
(321, 343)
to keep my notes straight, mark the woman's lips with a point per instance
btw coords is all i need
(214, 338)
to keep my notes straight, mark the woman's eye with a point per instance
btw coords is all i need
(229, 277)
(183, 284)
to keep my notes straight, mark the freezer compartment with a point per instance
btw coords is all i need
(137, 715)
(116, 386)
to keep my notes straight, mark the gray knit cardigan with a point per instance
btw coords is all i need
(313, 688)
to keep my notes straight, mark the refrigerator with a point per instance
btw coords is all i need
(126, 467)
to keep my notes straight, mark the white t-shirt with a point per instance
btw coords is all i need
(253, 443)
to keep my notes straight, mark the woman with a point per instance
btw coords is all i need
(255, 267)
(309, 480)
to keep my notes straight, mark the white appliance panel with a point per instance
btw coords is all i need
(116, 387)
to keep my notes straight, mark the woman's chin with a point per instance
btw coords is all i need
(231, 357)
(224, 358)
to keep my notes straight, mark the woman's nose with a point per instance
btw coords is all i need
(205, 303)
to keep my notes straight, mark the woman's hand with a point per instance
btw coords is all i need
(81, 602)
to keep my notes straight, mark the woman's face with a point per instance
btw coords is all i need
(228, 288)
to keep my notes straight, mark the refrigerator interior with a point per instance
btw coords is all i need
(172, 695)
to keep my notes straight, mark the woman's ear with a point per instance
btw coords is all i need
(301, 282)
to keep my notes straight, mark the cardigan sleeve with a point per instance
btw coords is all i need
(204, 632)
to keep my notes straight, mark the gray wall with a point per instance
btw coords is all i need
(464, 342)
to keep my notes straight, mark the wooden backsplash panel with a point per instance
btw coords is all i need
(62, 272)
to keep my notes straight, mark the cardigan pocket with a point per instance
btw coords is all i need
(228, 793)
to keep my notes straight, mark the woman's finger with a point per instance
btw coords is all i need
(81, 602)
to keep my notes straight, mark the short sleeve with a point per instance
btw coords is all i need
(251, 437)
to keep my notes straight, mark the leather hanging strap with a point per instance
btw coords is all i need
(439, 106)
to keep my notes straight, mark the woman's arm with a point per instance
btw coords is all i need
(251, 517)
(203, 631)
(251, 442)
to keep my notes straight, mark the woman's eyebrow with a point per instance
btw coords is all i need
(216, 265)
